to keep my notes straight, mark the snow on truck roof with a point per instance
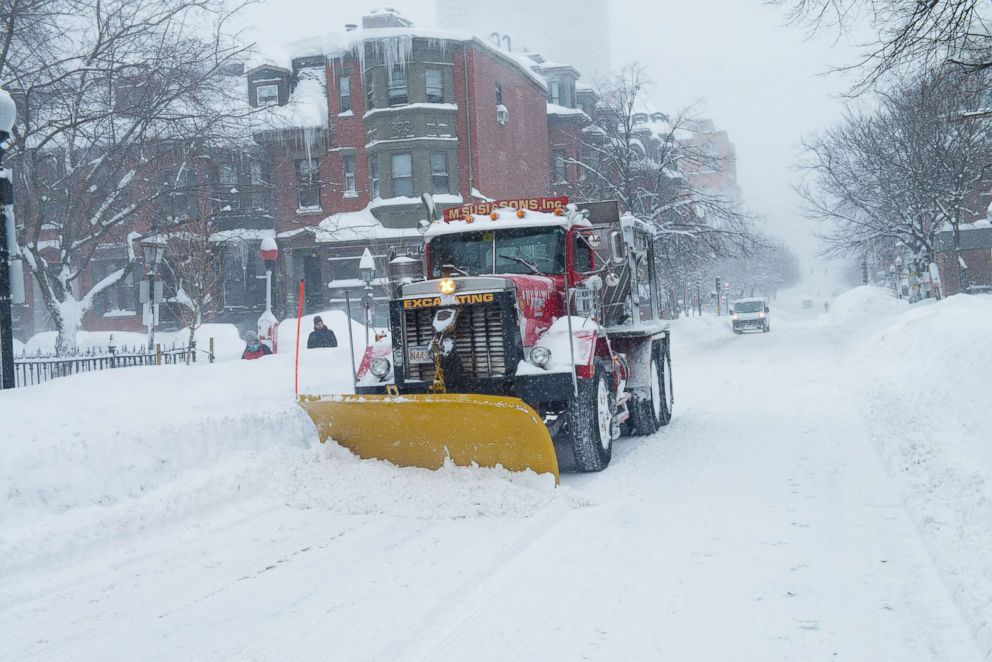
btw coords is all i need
(506, 219)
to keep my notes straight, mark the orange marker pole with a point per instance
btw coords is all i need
(299, 320)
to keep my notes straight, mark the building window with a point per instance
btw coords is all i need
(266, 95)
(307, 183)
(561, 175)
(554, 92)
(397, 86)
(229, 196)
(439, 172)
(374, 176)
(369, 90)
(180, 193)
(344, 93)
(434, 79)
(402, 175)
(345, 269)
(350, 188)
(118, 299)
(499, 94)
(259, 187)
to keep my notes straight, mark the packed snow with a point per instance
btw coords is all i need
(821, 493)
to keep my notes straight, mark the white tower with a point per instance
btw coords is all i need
(575, 32)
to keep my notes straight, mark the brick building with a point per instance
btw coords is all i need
(353, 128)
(408, 112)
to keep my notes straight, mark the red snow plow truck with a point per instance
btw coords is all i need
(535, 336)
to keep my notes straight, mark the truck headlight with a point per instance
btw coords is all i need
(447, 286)
(380, 367)
(733, 317)
(540, 356)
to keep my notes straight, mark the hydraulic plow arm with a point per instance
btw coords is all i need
(424, 430)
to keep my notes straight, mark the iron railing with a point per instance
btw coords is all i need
(32, 370)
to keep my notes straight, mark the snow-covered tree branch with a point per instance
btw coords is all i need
(112, 97)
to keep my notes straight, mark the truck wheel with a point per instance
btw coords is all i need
(590, 421)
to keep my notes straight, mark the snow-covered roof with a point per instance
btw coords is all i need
(507, 220)
(565, 111)
(357, 225)
(395, 46)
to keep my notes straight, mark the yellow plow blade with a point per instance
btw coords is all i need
(424, 430)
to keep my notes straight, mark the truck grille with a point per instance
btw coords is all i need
(478, 340)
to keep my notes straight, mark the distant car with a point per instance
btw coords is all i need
(807, 304)
(750, 315)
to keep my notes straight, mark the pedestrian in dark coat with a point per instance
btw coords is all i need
(254, 349)
(321, 336)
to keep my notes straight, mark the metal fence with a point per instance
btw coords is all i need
(31, 370)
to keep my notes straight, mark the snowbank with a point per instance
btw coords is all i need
(335, 320)
(864, 306)
(91, 459)
(227, 341)
(923, 381)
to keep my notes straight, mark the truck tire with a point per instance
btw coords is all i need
(647, 414)
(589, 419)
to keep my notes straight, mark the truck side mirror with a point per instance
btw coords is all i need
(766, 309)
(618, 248)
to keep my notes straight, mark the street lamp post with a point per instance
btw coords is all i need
(152, 251)
(268, 325)
(8, 243)
(367, 270)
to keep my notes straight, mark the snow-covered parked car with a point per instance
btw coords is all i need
(750, 314)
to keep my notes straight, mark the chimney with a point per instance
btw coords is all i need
(384, 18)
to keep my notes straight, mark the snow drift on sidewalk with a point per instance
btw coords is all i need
(923, 377)
(90, 458)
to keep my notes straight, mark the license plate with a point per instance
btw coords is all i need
(421, 354)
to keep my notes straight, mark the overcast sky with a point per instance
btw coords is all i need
(759, 79)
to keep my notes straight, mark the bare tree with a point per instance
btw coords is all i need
(921, 35)
(111, 93)
(196, 265)
(900, 172)
(651, 164)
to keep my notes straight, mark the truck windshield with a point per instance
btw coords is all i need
(748, 306)
(521, 251)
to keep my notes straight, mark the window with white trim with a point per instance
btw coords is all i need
(439, 173)
(398, 94)
(344, 93)
(266, 95)
(402, 175)
(434, 81)
(350, 186)
(308, 187)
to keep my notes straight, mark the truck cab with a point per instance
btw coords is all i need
(552, 303)
(750, 315)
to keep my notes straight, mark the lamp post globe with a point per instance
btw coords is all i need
(8, 111)
(152, 251)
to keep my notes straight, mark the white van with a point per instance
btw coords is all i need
(750, 315)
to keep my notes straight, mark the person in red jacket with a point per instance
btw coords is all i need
(254, 349)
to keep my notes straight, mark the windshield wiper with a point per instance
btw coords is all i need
(462, 270)
(522, 261)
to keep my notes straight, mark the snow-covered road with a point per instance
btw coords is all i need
(760, 525)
